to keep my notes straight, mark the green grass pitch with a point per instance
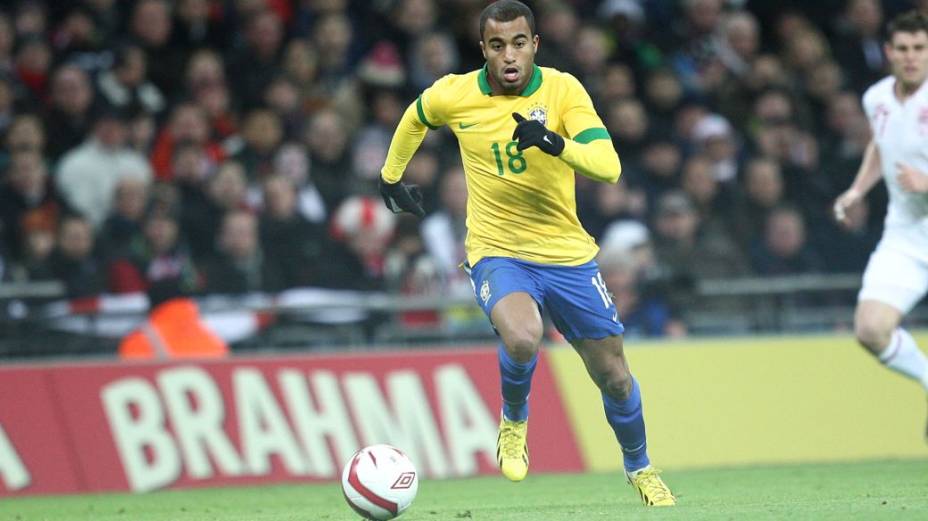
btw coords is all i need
(890, 490)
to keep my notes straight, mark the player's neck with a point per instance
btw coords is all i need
(905, 90)
(497, 90)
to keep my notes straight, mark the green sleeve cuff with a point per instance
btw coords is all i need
(421, 113)
(590, 134)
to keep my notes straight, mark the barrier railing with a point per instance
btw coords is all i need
(36, 320)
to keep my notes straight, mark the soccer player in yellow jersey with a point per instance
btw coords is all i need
(523, 131)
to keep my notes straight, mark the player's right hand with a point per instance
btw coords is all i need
(845, 201)
(400, 197)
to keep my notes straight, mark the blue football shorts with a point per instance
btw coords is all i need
(575, 297)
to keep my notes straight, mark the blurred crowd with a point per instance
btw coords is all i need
(234, 146)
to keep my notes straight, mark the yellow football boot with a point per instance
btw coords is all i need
(512, 449)
(652, 489)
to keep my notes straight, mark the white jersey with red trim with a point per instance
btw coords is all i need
(900, 131)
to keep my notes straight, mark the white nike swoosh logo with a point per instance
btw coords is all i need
(546, 140)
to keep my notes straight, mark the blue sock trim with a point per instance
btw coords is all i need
(627, 421)
(515, 383)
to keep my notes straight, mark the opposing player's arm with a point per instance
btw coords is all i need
(867, 177)
(589, 149)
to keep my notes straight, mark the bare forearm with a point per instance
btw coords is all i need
(869, 172)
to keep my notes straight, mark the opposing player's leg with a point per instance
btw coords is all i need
(583, 311)
(505, 291)
(893, 283)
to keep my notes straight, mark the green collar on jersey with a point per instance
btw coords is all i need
(534, 83)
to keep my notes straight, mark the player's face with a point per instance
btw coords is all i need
(509, 48)
(908, 53)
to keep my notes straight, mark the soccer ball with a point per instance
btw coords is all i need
(379, 482)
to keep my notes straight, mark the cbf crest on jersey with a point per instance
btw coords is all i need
(539, 113)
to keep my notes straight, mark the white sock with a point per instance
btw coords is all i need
(903, 356)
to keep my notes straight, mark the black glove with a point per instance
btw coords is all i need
(531, 133)
(401, 197)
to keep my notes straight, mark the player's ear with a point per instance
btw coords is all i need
(535, 41)
(483, 50)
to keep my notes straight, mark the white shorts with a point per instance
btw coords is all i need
(897, 272)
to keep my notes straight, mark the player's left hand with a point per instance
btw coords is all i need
(911, 179)
(531, 133)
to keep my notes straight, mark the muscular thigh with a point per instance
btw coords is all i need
(517, 319)
(510, 295)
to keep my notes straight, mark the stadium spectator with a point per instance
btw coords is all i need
(444, 231)
(87, 176)
(642, 314)
(433, 56)
(7, 112)
(327, 140)
(784, 249)
(663, 95)
(7, 42)
(559, 22)
(292, 161)
(158, 256)
(150, 27)
(188, 123)
(762, 191)
(713, 136)
(285, 99)
(858, 43)
(608, 204)
(629, 125)
(627, 26)
(73, 261)
(198, 25)
(660, 166)
(291, 243)
(72, 98)
(239, 266)
(255, 63)
(711, 198)
(38, 242)
(209, 90)
(123, 226)
(26, 190)
(126, 86)
(32, 61)
(590, 53)
(688, 249)
(26, 133)
(362, 228)
(262, 133)
(739, 43)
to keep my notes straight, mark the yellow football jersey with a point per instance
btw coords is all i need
(521, 204)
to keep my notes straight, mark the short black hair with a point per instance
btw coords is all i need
(908, 22)
(506, 11)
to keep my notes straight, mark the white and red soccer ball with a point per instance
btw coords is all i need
(379, 482)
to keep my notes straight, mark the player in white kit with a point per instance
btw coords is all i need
(896, 277)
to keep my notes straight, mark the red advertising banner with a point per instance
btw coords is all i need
(140, 427)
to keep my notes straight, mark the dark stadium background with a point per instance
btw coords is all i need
(242, 141)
